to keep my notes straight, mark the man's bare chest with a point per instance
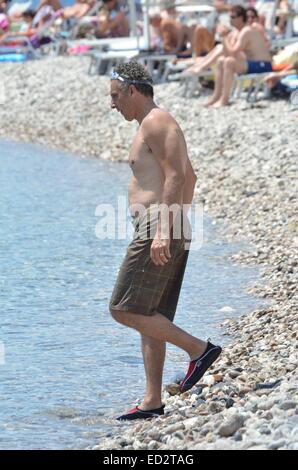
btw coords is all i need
(140, 155)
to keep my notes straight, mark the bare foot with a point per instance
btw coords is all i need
(188, 72)
(220, 103)
(209, 102)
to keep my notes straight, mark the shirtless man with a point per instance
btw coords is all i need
(204, 63)
(171, 35)
(147, 288)
(257, 59)
(112, 21)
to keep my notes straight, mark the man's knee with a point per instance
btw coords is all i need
(220, 62)
(230, 62)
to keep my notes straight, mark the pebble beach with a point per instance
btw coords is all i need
(245, 158)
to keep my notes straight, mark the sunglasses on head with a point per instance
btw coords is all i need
(117, 76)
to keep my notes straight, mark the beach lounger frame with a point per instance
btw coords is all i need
(191, 85)
(25, 46)
(101, 62)
(256, 84)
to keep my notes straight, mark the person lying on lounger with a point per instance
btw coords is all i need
(78, 10)
(284, 82)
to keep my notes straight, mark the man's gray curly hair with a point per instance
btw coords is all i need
(132, 70)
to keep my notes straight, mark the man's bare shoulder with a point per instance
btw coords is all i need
(246, 31)
(158, 121)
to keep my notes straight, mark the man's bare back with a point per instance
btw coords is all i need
(254, 44)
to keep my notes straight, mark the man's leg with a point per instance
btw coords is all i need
(159, 327)
(231, 66)
(218, 83)
(210, 58)
(154, 351)
(203, 63)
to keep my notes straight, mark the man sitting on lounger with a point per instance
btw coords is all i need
(249, 42)
(204, 63)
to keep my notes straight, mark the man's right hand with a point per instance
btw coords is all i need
(222, 30)
(160, 251)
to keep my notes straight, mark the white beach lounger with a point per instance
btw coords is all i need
(24, 46)
(191, 85)
(33, 51)
(102, 61)
(126, 43)
(156, 64)
(175, 69)
(256, 84)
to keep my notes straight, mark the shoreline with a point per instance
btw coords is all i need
(246, 162)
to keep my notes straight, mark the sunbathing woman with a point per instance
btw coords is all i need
(78, 10)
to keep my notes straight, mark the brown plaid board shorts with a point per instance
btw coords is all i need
(141, 286)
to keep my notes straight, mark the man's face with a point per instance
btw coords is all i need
(121, 100)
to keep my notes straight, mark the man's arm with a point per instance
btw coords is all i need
(240, 44)
(190, 183)
(166, 142)
(221, 6)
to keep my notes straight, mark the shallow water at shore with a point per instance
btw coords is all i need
(69, 368)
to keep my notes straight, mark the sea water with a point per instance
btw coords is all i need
(66, 367)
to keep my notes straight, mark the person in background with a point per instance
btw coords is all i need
(174, 37)
(78, 10)
(254, 21)
(3, 7)
(55, 4)
(281, 18)
(4, 25)
(254, 58)
(112, 21)
(46, 10)
(204, 63)
(284, 82)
